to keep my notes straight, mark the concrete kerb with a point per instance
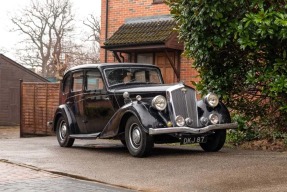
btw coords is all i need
(47, 174)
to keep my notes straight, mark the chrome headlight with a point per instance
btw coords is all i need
(212, 99)
(159, 102)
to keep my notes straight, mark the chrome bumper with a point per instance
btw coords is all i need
(157, 131)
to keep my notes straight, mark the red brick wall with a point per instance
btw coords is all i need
(119, 10)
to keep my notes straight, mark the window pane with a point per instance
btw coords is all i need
(67, 83)
(94, 80)
(145, 58)
(77, 81)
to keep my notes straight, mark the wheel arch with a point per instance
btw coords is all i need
(123, 121)
(221, 110)
(64, 112)
(116, 125)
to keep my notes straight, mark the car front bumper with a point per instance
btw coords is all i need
(158, 131)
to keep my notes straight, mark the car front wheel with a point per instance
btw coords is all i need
(214, 141)
(138, 142)
(63, 132)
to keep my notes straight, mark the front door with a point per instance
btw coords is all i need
(97, 105)
(166, 70)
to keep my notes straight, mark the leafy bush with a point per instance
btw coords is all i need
(239, 48)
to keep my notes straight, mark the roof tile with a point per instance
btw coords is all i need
(152, 32)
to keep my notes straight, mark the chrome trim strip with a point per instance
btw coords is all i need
(157, 131)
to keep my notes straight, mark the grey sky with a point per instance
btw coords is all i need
(8, 40)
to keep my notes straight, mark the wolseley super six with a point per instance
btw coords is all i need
(131, 103)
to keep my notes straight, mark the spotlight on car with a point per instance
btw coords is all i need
(138, 98)
(126, 95)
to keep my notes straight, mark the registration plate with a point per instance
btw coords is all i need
(191, 140)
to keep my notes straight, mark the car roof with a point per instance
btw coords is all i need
(105, 65)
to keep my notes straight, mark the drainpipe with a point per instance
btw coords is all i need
(106, 34)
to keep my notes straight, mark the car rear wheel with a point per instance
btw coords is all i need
(63, 132)
(138, 142)
(215, 141)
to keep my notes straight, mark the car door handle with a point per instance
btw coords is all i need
(106, 98)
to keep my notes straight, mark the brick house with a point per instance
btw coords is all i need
(10, 75)
(142, 31)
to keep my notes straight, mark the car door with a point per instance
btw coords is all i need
(98, 108)
(75, 101)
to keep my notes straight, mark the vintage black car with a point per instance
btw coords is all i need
(131, 103)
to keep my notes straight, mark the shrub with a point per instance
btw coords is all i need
(239, 48)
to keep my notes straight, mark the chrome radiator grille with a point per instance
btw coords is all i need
(182, 101)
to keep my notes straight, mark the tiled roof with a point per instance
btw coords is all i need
(141, 33)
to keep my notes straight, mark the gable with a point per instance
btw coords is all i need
(10, 69)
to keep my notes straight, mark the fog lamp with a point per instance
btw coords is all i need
(188, 121)
(179, 121)
(213, 118)
(204, 121)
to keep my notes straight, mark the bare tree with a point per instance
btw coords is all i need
(94, 25)
(82, 54)
(88, 50)
(45, 25)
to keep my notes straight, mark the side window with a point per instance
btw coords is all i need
(94, 81)
(77, 81)
(67, 84)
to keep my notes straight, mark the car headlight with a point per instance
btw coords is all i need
(212, 99)
(159, 102)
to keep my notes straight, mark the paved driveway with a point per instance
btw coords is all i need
(170, 168)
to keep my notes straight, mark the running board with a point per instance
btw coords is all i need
(85, 136)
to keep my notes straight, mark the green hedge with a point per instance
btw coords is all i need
(239, 47)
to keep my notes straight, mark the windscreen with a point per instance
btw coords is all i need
(118, 76)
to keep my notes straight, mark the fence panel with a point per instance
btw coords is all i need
(38, 104)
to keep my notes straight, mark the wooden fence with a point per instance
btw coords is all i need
(38, 104)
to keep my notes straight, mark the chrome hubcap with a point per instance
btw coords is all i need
(63, 130)
(135, 136)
